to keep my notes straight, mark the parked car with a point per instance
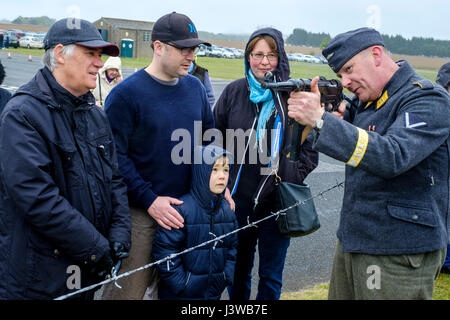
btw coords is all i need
(298, 57)
(321, 58)
(312, 59)
(13, 41)
(31, 42)
(17, 34)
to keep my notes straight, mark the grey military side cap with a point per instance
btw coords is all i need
(443, 77)
(80, 32)
(346, 45)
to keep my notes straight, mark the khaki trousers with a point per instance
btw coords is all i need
(134, 287)
(377, 277)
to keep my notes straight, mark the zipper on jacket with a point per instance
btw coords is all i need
(188, 278)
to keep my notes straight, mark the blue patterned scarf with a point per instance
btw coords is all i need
(258, 95)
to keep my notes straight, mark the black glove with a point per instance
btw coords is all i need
(119, 252)
(102, 268)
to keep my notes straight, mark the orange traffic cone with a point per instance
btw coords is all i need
(9, 55)
(30, 58)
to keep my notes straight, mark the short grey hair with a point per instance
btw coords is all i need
(49, 58)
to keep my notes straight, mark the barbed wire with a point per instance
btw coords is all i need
(215, 240)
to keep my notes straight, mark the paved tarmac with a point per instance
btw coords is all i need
(309, 258)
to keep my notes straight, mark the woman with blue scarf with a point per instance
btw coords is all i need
(246, 109)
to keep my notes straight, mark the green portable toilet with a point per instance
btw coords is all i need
(126, 48)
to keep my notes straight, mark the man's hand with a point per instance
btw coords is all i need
(163, 213)
(102, 268)
(305, 107)
(229, 199)
(341, 110)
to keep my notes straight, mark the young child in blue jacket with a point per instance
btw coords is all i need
(201, 274)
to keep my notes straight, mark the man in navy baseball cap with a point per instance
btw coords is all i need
(55, 145)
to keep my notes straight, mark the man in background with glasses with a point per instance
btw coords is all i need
(144, 110)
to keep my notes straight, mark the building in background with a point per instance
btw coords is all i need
(133, 37)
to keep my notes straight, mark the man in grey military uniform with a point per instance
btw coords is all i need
(394, 223)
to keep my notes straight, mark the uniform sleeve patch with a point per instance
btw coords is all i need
(360, 150)
(414, 121)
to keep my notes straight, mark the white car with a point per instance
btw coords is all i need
(31, 42)
(312, 59)
(298, 57)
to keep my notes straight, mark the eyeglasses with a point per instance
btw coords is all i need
(272, 57)
(185, 51)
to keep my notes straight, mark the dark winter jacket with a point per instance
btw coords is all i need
(4, 94)
(62, 199)
(204, 272)
(4, 97)
(234, 110)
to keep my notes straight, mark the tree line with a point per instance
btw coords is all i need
(35, 21)
(415, 46)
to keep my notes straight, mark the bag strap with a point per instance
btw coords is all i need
(277, 139)
(100, 89)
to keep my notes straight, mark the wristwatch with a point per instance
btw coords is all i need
(319, 123)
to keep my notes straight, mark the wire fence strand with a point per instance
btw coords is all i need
(214, 240)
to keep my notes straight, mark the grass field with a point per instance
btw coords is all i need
(232, 69)
(320, 292)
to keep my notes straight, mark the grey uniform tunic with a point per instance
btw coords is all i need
(396, 197)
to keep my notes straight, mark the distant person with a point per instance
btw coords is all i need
(5, 95)
(393, 229)
(443, 78)
(63, 205)
(203, 75)
(107, 78)
(144, 111)
(6, 42)
(1, 40)
(204, 273)
(245, 105)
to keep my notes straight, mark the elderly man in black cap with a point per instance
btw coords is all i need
(64, 217)
(394, 221)
(146, 111)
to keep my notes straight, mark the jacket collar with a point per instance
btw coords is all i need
(397, 81)
(46, 89)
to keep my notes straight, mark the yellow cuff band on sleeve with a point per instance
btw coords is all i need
(360, 150)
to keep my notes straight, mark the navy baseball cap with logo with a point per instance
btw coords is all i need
(80, 32)
(346, 45)
(178, 30)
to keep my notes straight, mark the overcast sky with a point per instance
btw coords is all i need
(408, 18)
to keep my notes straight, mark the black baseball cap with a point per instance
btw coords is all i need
(346, 45)
(79, 32)
(177, 29)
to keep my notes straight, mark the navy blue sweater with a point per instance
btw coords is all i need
(144, 114)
